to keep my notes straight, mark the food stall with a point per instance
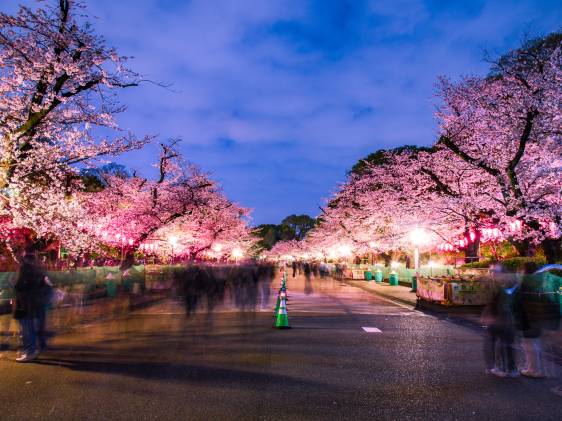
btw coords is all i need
(456, 290)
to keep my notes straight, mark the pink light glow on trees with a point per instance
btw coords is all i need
(218, 229)
(288, 250)
(508, 127)
(496, 166)
(183, 204)
(58, 84)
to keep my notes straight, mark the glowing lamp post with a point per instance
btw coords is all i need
(431, 265)
(418, 237)
(372, 246)
(173, 242)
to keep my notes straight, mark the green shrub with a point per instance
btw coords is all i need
(478, 265)
(513, 264)
(516, 264)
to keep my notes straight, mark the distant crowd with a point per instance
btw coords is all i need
(244, 286)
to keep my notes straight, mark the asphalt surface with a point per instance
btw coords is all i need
(153, 364)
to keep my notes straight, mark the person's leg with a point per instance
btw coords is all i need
(537, 351)
(23, 335)
(41, 331)
(5, 332)
(533, 356)
(508, 339)
(28, 335)
(490, 349)
(527, 345)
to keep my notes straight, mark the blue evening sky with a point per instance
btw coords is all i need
(278, 98)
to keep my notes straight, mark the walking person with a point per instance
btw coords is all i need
(541, 311)
(191, 289)
(32, 293)
(5, 322)
(308, 270)
(502, 317)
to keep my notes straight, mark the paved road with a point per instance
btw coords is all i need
(154, 364)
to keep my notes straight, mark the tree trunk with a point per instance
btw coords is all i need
(387, 258)
(472, 252)
(525, 248)
(552, 250)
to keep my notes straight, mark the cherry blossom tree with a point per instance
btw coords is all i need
(289, 249)
(218, 229)
(496, 166)
(182, 211)
(57, 89)
(508, 126)
(376, 209)
(451, 196)
(407, 189)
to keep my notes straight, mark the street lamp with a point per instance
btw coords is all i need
(418, 237)
(431, 265)
(173, 240)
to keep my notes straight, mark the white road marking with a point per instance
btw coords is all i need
(372, 330)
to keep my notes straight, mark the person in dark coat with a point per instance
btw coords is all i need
(32, 294)
(192, 286)
(541, 311)
(502, 317)
(266, 272)
(308, 271)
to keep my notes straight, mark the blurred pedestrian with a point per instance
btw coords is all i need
(7, 293)
(266, 272)
(315, 269)
(307, 268)
(32, 293)
(294, 264)
(191, 289)
(541, 311)
(502, 317)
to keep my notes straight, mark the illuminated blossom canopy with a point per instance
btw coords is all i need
(182, 212)
(507, 126)
(58, 103)
(496, 170)
(57, 90)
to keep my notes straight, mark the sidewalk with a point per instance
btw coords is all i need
(465, 315)
(398, 293)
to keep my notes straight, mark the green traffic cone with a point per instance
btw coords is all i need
(282, 320)
(282, 295)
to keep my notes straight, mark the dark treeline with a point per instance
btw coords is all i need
(293, 227)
